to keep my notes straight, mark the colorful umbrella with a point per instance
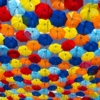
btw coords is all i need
(3, 3)
(34, 67)
(85, 64)
(95, 61)
(43, 11)
(54, 70)
(89, 11)
(1, 39)
(58, 18)
(3, 50)
(73, 5)
(44, 72)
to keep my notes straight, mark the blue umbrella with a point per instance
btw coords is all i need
(52, 87)
(44, 53)
(34, 67)
(98, 98)
(95, 80)
(31, 19)
(62, 79)
(2, 94)
(6, 87)
(28, 98)
(3, 3)
(80, 94)
(35, 75)
(77, 51)
(20, 84)
(45, 79)
(91, 46)
(1, 84)
(75, 61)
(54, 70)
(58, 95)
(8, 67)
(45, 39)
(95, 35)
(15, 7)
(72, 95)
(44, 91)
(55, 60)
(97, 52)
(10, 42)
(5, 59)
(68, 87)
(85, 83)
(85, 27)
(35, 93)
(14, 91)
(3, 49)
(18, 78)
(58, 18)
(34, 33)
(79, 79)
(63, 73)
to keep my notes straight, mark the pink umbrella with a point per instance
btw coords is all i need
(85, 64)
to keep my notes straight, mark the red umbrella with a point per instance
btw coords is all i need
(4, 14)
(4, 81)
(8, 74)
(73, 4)
(34, 58)
(36, 87)
(2, 89)
(66, 92)
(25, 70)
(21, 95)
(85, 64)
(68, 45)
(51, 94)
(43, 11)
(53, 77)
(82, 88)
(69, 82)
(13, 53)
(86, 98)
(27, 81)
(23, 36)
(9, 98)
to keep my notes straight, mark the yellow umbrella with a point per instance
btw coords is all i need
(27, 77)
(64, 97)
(1, 39)
(24, 51)
(94, 95)
(28, 94)
(17, 22)
(3, 98)
(55, 48)
(70, 32)
(76, 85)
(91, 86)
(29, 5)
(10, 80)
(87, 56)
(89, 11)
(21, 90)
(44, 26)
(44, 72)
(73, 69)
(15, 63)
(87, 77)
(15, 97)
(59, 89)
(36, 82)
(65, 56)
(99, 44)
(43, 97)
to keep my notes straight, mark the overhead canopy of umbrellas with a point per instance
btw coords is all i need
(49, 50)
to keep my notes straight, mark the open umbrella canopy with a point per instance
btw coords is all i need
(1, 39)
(89, 11)
(44, 72)
(34, 67)
(85, 64)
(3, 50)
(43, 11)
(58, 18)
(73, 5)
(3, 3)
(15, 8)
(30, 19)
(54, 70)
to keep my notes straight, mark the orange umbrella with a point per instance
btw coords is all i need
(36, 98)
(7, 30)
(96, 21)
(25, 61)
(72, 77)
(74, 90)
(88, 92)
(44, 85)
(98, 84)
(81, 40)
(13, 86)
(44, 63)
(28, 88)
(55, 98)
(97, 75)
(73, 19)
(77, 98)
(16, 71)
(60, 84)
(81, 71)
(95, 61)
(57, 33)
(33, 45)
(64, 66)
(58, 4)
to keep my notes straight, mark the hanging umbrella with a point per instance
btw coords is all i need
(24, 51)
(63, 73)
(7, 67)
(57, 33)
(70, 33)
(44, 63)
(43, 11)
(13, 53)
(91, 46)
(97, 52)
(77, 51)
(18, 78)
(10, 42)
(44, 26)
(72, 70)
(44, 53)
(7, 30)
(33, 45)
(3, 3)
(95, 35)
(54, 70)
(1, 39)
(81, 40)
(17, 22)
(65, 56)
(45, 39)
(5, 14)
(85, 64)
(15, 63)
(34, 67)
(55, 60)
(55, 48)
(58, 4)
(29, 5)
(73, 5)
(95, 61)
(34, 58)
(89, 11)
(58, 18)
(68, 45)
(8, 74)
(31, 19)
(85, 27)
(53, 77)
(15, 8)
(44, 72)
(3, 50)
(87, 56)
(16, 71)
(34, 33)
(73, 19)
